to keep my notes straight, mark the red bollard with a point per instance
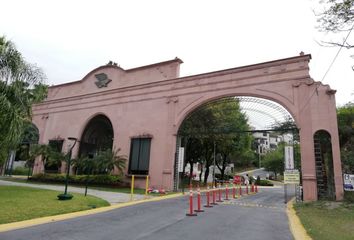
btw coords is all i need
(198, 201)
(191, 212)
(226, 193)
(214, 193)
(208, 199)
(256, 188)
(219, 191)
(233, 191)
(252, 188)
(240, 190)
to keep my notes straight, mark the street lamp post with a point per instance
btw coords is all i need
(65, 195)
(214, 183)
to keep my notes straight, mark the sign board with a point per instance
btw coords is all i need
(292, 177)
(348, 182)
(289, 157)
(237, 179)
(180, 159)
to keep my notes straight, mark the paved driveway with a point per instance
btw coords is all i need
(260, 216)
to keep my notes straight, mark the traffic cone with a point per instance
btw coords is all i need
(191, 212)
(240, 190)
(226, 193)
(208, 198)
(256, 188)
(219, 191)
(233, 191)
(198, 201)
(214, 197)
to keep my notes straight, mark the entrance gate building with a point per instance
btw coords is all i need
(145, 106)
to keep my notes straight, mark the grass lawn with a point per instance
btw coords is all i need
(327, 220)
(23, 203)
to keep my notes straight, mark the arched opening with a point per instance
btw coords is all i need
(224, 136)
(97, 136)
(324, 165)
(30, 136)
(20, 161)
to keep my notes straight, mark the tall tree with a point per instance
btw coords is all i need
(219, 123)
(21, 85)
(337, 16)
(274, 160)
(345, 115)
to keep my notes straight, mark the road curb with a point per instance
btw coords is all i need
(38, 221)
(296, 227)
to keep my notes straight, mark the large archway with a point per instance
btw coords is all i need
(235, 133)
(154, 100)
(97, 136)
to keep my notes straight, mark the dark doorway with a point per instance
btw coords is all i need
(324, 165)
(97, 136)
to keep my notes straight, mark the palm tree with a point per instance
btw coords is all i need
(21, 84)
(50, 156)
(109, 159)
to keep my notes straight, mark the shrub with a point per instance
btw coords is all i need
(20, 171)
(226, 176)
(258, 181)
(78, 179)
(349, 196)
(265, 183)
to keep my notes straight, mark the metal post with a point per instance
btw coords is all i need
(67, 173)
(66, 196)
(285, 194)
(132, 189)
(214, 183)
(147, 185)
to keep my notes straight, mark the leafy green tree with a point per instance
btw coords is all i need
(219, 123)
(194, 154)
(345, 115)
(337, 16)
(274, 160)
(50, 156)
(21, 85)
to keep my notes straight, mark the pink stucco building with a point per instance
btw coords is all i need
(145, 106)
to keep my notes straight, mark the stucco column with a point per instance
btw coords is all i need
(170, 147)
(337, 163)
(308, 169)
(337, 167)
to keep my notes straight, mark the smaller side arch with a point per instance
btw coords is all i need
(324, 165)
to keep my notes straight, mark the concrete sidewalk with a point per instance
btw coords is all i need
(111, 197)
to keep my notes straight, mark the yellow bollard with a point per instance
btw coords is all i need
(132, 189)
(147, 185)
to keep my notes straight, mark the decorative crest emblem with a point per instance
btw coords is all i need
(102, 80)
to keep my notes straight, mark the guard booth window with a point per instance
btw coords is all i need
(139, 156)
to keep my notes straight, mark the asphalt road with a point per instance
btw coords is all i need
(260, 216)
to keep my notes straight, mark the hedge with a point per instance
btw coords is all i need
(79, 179)
(265, 183)
(349, 196)
(20, 171)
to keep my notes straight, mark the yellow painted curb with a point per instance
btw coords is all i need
(43, 220)
(296, 227)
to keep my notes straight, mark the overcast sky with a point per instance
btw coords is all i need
(68, 39)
